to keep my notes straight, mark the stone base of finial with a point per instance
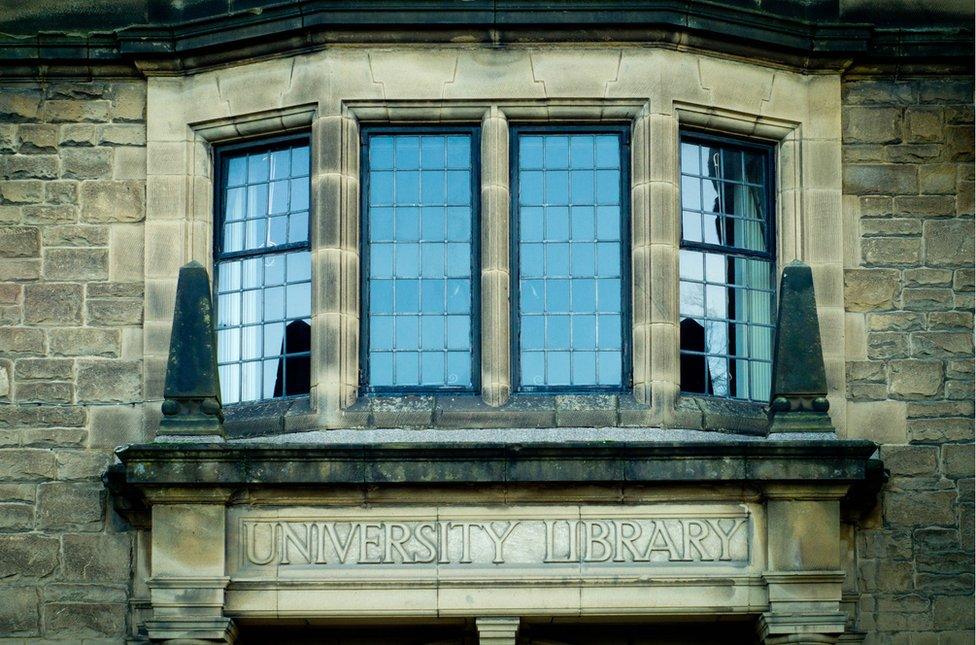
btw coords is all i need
(191, 420)
(800, 421)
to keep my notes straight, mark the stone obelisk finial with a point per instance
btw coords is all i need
(799, 393)
(191, 405)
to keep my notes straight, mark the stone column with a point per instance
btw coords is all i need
(497, 630)
(188, 568)
(804, 576)
(496, 380)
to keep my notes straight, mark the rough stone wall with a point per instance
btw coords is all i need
(72, 195)
(908, 154)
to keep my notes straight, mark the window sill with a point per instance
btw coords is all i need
(270, 417)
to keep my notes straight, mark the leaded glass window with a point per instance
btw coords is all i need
(726, 267)
(263, 270)
(421, 249)
(571, 283)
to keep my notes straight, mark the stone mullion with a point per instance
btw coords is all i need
(496, 382)
(335, 258)
(655, 259)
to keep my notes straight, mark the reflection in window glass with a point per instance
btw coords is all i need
(263, 274)
(726, 268)
(419, 219)
(570, 303)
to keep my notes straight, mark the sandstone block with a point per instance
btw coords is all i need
(896, 321)
(915, 379)
(927, 299)
(880, 227)
(28, 166)
(920, 508)
(891, 251)
(871, 124)
(937, 179)
(873, 371)
(20, 241)
(913, 153)
(71, 506)
(911, 460)
(74, 235)
(880, 179)
(946, 91)
(112, 426)
(16, 517)
(78, 134)
(924, 124)
(953, 612)
(949, 243)
(129, 102)
(28, 554)
(45, 392)
(940, 430)
(18, 106)
(86, 163)
(883, 345)
(99, 557)
(879, 92)
(109, 381)
(950, 320)
(112, 201)
(85, 620)
(72, 111)
(942, 344)
(82, 464)
(19, 611)
(925, 277)
(44, 369)
(48, 214)
(958, 461)
(22, 191)
(76, 264)
(20, 340)
(8, 137)
(924, 205)
(870, 289)
(84, 341)
(123, 134)
(61, 192)
(37, 137)
(20, 269)
(53, 303)
(113, 312)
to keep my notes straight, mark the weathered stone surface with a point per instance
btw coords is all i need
(16, 517)
(958, 460)
(942, 344)
(99, 557)
(870, 289)
(924, 205)
(108, 381)
(48, 214)
(86, 163)
(113, 426)
(949, 242)
(76, 264)
(84, 620)
(61, 192)
(53, 303)
(927, 299)
(62, 505)
(880, 179)
(116, 311)
(872, 125)
(19, 611)
(911, 460)
(74, 235)
(112, 201)
(21, 340)
(44, 368)
(19, 242)
(926, 277)
(920, 508)
(83, 341)
(72, 111)
(891, 251)
(28, 554)
(915, 379)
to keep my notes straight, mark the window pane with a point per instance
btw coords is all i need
(419, 211)
(569, 224)
(264, 300)
(726, 299)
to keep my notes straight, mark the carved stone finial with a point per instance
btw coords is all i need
(799, 394)
(191, 405)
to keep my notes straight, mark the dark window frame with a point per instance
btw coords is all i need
(623, 132)
(366, 132)
(221, 159)
(769, 151)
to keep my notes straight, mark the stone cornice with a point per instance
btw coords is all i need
(808, 42)
(256, 464)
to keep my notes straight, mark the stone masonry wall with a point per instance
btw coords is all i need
(72, 195)
(908, 155)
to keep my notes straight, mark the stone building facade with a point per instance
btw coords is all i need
(111, 133)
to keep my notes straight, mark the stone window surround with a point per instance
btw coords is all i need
(654, 237)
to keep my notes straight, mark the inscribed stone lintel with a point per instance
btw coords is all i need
(500, 543)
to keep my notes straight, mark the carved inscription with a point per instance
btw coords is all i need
(498, 542)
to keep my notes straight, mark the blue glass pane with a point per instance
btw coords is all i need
(570, 260)
(264, 302)
(420, 212)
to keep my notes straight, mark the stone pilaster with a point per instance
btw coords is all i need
(188, 568)
(496, 380)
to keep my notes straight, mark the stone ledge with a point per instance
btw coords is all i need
(447, 462)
